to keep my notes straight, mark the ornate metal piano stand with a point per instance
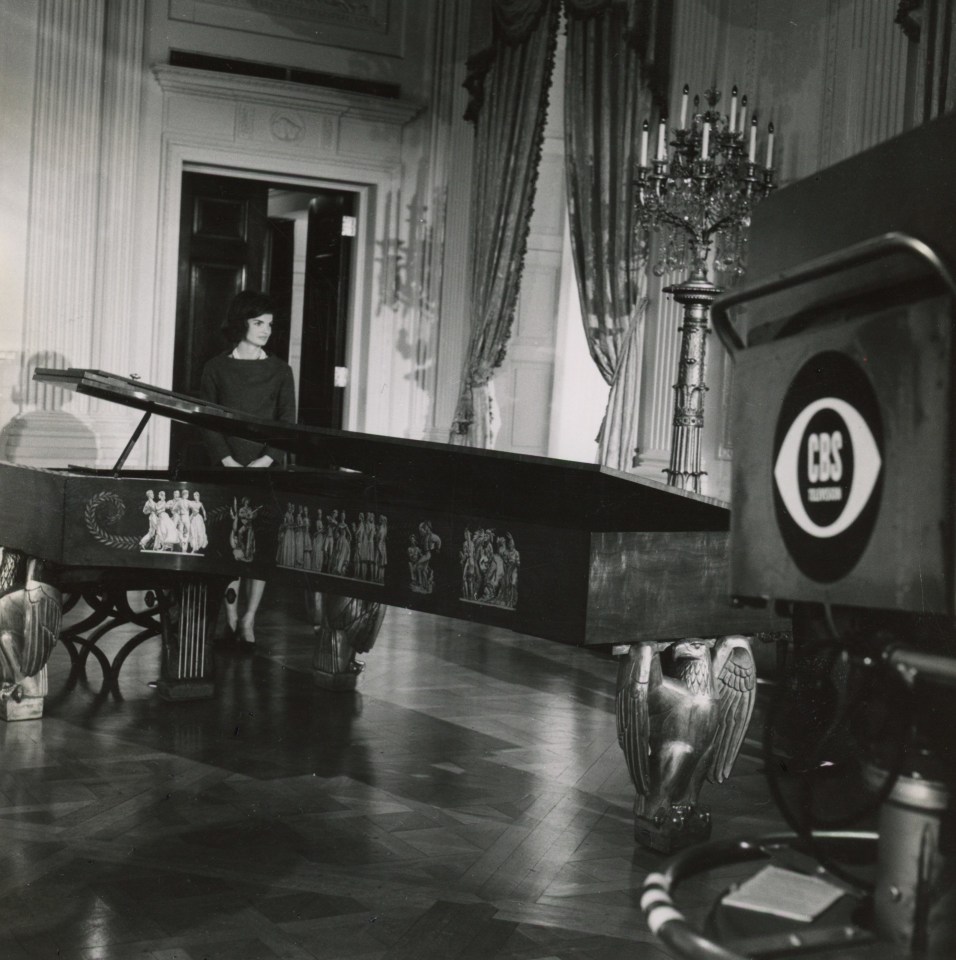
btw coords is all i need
(345, 628)
(30, 610)
(682, 712)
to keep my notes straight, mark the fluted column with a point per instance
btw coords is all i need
(114, 319)
(82, 233)
(64, 192)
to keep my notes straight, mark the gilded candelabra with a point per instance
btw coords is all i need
(696, 200)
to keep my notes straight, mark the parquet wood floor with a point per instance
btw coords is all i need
(470, 802)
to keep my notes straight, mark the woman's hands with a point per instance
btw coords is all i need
(264, 461)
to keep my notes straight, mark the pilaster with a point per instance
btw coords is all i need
(115, 319)
(64, 192)
(81, 238)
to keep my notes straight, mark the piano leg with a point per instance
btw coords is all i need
(683, 708)
(344, 628)
(30, 612)
(188, 611)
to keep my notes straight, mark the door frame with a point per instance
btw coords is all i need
(361, 141)
(354, 359)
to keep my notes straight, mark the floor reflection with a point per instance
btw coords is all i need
(471, 798)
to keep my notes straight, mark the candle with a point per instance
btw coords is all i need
(705, 143)
(644, 144)
(769, 146)
(742, 119)
(662, 139)
(683, 108)
(752, 155)
(733, 110)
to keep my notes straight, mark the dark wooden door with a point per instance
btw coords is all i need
(326, 307)
(222, 243)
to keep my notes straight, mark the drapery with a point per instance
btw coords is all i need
(609, 88)
(509, 89)
(931, 25)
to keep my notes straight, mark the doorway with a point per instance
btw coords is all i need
(294, 242)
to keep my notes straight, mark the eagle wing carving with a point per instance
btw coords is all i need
(29, 626)
(735, 683)
(633, 714)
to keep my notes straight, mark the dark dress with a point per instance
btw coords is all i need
(260, 388)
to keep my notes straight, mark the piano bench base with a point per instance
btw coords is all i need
(29, 708)
(176, 690)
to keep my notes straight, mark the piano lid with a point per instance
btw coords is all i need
(570, 493)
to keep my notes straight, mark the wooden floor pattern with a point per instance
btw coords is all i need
(470, 802)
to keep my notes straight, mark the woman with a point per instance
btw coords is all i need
(251, 381)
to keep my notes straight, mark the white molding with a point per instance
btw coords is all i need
(282, 93)
(377, 178)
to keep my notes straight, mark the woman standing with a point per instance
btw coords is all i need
(249, 380)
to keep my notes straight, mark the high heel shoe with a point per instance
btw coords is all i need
(245, 637)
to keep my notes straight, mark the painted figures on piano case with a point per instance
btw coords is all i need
(175, 525)
(489, 568)
(332, 544)
(422, 546)
(242, 537)
(198, 539)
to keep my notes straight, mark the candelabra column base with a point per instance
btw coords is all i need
(695, 295)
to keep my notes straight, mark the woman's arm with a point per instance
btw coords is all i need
(285, 412)
(215, 442)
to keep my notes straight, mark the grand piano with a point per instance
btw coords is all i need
(571, 552)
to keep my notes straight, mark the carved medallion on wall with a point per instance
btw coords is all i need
(286, 126)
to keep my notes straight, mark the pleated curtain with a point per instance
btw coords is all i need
(610, 54)
(509, 89)
(931, 25)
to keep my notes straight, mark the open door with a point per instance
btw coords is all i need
(222, 243)
(324, 375)
(237, 234)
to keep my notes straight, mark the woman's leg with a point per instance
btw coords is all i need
(249, 598)
(232, 608)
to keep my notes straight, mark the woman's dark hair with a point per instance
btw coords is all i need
(245, 306)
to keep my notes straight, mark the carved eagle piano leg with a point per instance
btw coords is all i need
(345, 627)
(30, 612)
(682, 712)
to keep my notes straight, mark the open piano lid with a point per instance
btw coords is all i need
(572, 493)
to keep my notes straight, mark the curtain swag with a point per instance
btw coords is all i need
(515, 20)
(606, 94)
(509, 135)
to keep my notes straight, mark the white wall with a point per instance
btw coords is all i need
(90, 259)
(18, 40)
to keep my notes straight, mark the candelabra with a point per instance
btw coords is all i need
(697, 198)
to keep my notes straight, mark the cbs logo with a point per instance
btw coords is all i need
(827, 467)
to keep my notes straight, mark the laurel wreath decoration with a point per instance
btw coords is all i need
(105, 509)
(218, 513)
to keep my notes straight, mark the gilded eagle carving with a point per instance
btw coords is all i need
(30, 611)
(682, 713)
